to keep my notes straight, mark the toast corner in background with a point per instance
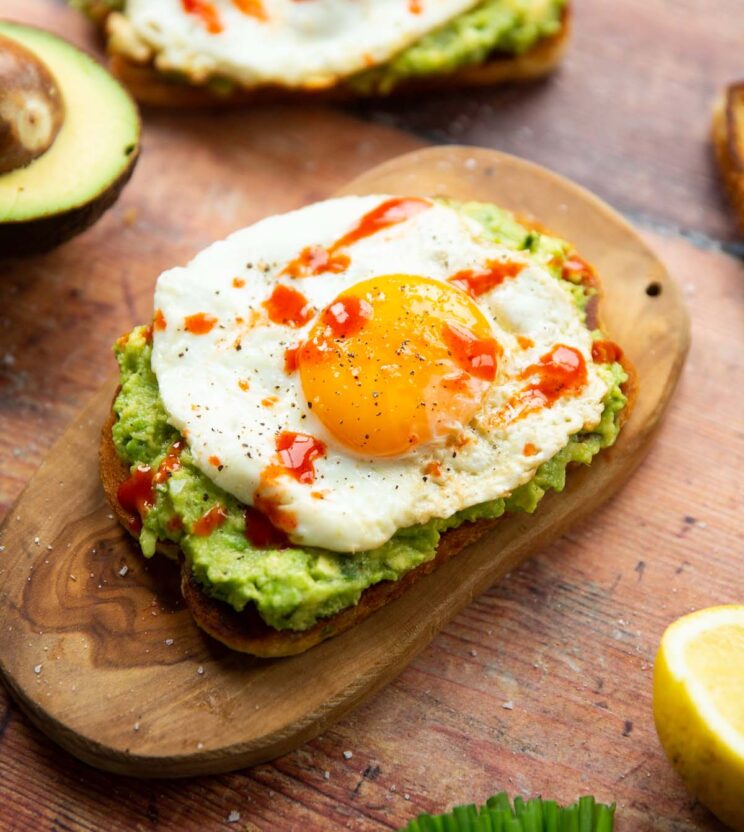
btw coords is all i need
(728, 143)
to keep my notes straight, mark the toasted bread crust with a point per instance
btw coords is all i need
(728, 143)
(246, 631)
(151, 87)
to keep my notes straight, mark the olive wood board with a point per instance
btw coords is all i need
(108, 662)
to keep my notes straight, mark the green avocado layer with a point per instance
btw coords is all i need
(493, 26)
(506, 26)
(292, 588)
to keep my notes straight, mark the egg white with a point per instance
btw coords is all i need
(310, 43)
(366, 500)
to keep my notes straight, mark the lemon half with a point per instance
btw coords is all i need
(699, 707)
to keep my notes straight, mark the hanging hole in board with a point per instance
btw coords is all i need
(653, 290)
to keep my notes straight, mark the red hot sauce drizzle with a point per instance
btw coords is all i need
(560, 372)
(209, 521)
(158, 321)
(288, 306)
(314, 260)
(477, 356)
(576, 270)
(206, 12)
(136, 495)
(252, 8)
(199, 324)
(606, 352)
(297, 452)
(477, 283)
(175, 524)
(347, 316)
(276, 514)
(261, 532)
(391, 212)
(291, 360)
(319, 260)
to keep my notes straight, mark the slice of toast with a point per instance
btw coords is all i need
(246, 631)
(151, 87)
(728, 143)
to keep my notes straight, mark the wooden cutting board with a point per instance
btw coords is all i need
(94, 642)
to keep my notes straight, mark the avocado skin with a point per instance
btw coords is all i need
(26, 238)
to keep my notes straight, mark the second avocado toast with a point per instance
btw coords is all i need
(234, 52)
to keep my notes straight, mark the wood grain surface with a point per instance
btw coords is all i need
(70, 613)
(569, 639)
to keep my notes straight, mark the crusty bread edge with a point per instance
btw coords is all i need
(151, 87)
(729, 146)
(246, 632)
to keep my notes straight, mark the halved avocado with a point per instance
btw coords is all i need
(66, 189)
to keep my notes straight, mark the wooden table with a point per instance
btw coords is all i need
(544, 684)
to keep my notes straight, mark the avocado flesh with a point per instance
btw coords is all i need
(67, 188)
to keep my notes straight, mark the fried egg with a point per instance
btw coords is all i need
(365, 364)
(295, 43)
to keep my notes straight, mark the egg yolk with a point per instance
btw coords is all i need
(396, 361)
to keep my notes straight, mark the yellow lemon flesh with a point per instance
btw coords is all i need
(699, 707)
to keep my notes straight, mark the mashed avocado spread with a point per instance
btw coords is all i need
(292, 588)
(507, 26)
(493, 26)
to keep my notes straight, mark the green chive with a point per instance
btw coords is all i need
(550, 816)
(586, 814)
(498, 814)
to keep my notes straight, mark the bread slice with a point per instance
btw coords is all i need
(149, 86)
(728, 142)
(246, 631)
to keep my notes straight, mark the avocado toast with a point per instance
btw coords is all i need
(245, 581)
(478, 43)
